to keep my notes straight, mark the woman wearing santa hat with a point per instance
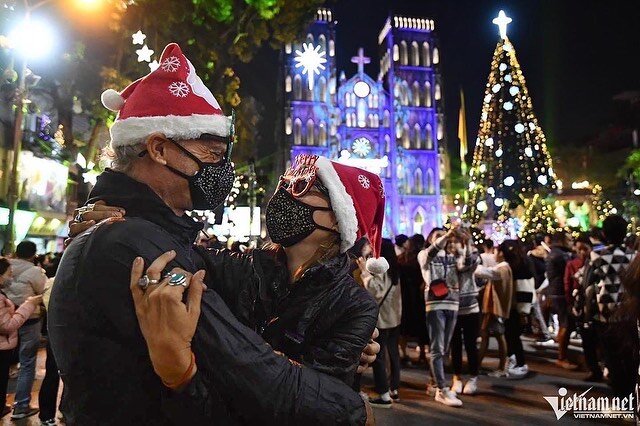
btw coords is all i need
(297, 293)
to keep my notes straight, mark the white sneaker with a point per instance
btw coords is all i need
(471, 387)
(447, 397)
(511, 362)
(456, 385)
(518, 372)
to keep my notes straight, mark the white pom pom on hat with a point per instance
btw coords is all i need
(112, 100)
(377, 265)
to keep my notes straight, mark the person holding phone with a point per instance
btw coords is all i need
(442, 296)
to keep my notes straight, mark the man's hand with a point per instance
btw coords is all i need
(36, 300)
(370, 352)
(167, 324)
(89, 218)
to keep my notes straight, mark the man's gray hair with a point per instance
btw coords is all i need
(122, 158)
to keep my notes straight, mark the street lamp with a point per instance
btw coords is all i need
(28, 40)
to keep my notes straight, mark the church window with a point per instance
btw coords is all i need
(297, 87)
(385, 118)
(322, 41)
(376, 120)
(387, 144)
(418, 185)
(287, 48)
(415, 54)
(322, 136)
(362, 111)
(348, 120)
(440, 130)
(429, 136)
(431, 189)
(398, 130)
(370, 122)
(287, 126)
(438, 94)
(406, 141)
(332, 48)
(416, 94)
(287, 84)
(322, 89)
(436, 55)
(426, 55)
(396, 53)
(310, 132)
(375, 100)
(308, 93)
(404, 57)
(427, 94)
(297, 132)
(310, 38)
(417, 140)
(353, 119)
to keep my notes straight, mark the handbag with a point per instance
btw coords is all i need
(438, 289)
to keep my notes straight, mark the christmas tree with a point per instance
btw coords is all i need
(539, 218)
(510, 162)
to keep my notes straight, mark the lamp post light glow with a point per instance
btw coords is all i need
(32, 39)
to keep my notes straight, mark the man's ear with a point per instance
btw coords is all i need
(157, 147)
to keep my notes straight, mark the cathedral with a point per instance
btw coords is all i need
(392, 125)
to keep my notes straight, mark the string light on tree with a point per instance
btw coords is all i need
(511, 153)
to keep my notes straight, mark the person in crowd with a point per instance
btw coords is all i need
(468, 321)
(523, 296)
(556, 264)
(537, 257)
(596, 236)
(488, 255)
(413, 311)
(48, 394)
(496, 305)
(598, 300)
(385, 288)
(169, 159)
(442, 296)
(11, 319)
(28, 280)
(400, 242)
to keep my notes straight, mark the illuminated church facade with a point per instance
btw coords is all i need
(392, 125)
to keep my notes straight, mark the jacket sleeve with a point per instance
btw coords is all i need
(37, 278)
(376, 286)
(488, 273)
(339, 355)
(12, 322)
(260, 386)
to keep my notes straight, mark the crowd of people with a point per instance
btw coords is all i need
(449, 293)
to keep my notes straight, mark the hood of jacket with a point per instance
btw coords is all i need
(139, 200)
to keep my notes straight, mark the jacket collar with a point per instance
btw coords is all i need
(139, 200)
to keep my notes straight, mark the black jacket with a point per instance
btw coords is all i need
(103, 359)
(555, 266)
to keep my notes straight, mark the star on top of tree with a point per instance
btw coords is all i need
(138, 38)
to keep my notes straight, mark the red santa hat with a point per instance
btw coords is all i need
(171, 100)
(357, 200)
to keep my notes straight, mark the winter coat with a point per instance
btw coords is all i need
(467, 266)
(555, 266)
(11, 319)
(571, 281)
(96, 338)
(28, 280)
(498, 294)
(391, 308)
(538, 257)
(414, 322)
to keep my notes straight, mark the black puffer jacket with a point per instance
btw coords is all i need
(103, 359)
(323, 320)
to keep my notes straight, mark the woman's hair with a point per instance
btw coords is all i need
(4, 265)
(389, 253)
(431, 234)
(515, 255)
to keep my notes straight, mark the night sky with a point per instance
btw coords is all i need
(575, 55)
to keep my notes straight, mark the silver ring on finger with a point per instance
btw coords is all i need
(177, 279)
(80, 211)
(145, 281)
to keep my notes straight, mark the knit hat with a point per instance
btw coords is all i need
(171, 100)
(357, 199)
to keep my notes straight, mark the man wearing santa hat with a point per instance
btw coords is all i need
(170, 150)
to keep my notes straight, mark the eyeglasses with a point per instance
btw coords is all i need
(301, 177)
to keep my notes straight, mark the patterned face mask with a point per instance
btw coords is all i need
(290, 220)
(211, 185)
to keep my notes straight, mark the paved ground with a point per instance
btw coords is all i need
(499, 402)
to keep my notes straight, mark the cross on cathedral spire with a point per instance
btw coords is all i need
(361, 60)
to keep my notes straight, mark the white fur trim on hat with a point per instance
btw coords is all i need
(377, 266)
(133, 130)
(341, 203)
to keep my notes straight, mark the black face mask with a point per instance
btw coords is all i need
(289, 220)
(211, 185)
